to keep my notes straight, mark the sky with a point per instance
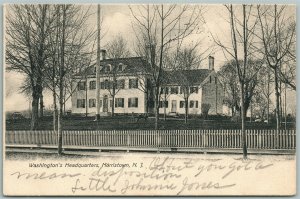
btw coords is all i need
(117, 19)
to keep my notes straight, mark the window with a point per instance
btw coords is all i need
(192, 103)
(106, 84)
(119, 102)
(163, 104)
(92, 85)
(121, 67)
(165, 90)
(133, 83)
(80, 103)
(107, 68)
(181, 104)
(102, 85)
(81, 86)
(194, 89)
(181, 90)
(174, 90)
(92, 103)
(184, 90)
(121, 84)
(110, 103)
(166, 104)
(133, 102)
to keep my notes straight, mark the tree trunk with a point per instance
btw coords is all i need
(86, 97)
(35, 111)
(165, 103)
(113, 106)
(54, 111)
(59, 129)
(268, 100)
(41, 105)
(61, 88)
(97, 116)
(243, 115)
(156, 106)
(277, 95)
(250, 112)
(280, 104)
(186, 110)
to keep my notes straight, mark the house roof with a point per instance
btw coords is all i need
(132, 65)
(193, 77)
(137, 65)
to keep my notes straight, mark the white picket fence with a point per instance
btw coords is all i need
(216, 139)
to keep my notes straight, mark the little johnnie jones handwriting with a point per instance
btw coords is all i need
(164, 175)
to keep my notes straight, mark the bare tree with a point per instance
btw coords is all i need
(277, 36)
(69, 45)
(117, 47)
(27, 29)
(264, 91)
(184, 61)
(229, 76)
(154, 28)
(242, 40)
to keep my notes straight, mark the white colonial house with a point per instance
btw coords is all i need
(130, 75)
(199, 86)
(132, 90)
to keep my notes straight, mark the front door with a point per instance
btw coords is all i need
(173, 109)
(105, 103)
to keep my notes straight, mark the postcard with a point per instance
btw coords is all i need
(149, 100)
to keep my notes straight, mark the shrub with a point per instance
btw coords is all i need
(204, 110)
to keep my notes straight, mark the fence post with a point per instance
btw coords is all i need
(128, 140)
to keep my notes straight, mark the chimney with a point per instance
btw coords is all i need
(103, 54)
(211, 62)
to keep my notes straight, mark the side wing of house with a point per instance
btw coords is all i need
(172, 100)
(213, 94)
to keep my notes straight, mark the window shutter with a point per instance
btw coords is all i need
(136, 102)
(129, 100)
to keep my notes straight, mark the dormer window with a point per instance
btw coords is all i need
(107, 68)
(121, 67)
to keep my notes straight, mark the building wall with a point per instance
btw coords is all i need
(122, 93)
(213, 94)
(178, 98)
(206, 94)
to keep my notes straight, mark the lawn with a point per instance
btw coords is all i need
(128, 123)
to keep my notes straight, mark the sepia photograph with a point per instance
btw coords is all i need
(149, 99)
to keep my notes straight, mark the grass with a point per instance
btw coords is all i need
(127, 123)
